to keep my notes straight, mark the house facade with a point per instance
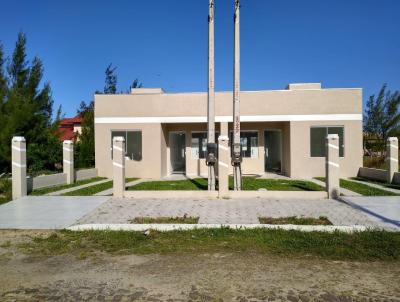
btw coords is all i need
(69, 128)
(282, 131)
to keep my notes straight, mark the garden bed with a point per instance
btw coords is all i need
(322, 220)
(169, 220)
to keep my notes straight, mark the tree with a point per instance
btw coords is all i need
(135, 84)
(84, 149)
(26, 110)
(382, 116)
(111, 80)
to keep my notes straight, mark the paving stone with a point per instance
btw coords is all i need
(230, 211)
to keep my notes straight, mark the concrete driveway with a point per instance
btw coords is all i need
(47, 212)
(384, 210)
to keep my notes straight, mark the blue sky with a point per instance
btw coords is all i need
(341, 43)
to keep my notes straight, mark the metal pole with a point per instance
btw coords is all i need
(236, 154)
(211, 146)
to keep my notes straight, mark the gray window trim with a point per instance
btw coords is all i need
(126, 134)
(329, 126)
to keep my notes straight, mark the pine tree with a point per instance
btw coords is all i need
(84, 153)
(27, 111)
(382, 117)
(111, 80)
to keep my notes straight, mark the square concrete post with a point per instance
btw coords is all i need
(332, 165)
(392, 157)
(223, 160)
(223, 165)
(68, 161)
(18, 167)
(119, 166)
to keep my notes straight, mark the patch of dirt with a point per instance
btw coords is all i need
(206, 277)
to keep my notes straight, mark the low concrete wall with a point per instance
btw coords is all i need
(396, 178)
(373, 174)
(85, 174)
(45, 181)
(231, 194)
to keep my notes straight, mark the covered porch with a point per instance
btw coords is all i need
(265, 148)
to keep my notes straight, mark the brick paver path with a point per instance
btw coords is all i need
(226, 211)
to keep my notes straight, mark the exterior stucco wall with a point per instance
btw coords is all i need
(305, 166)
(150, 164)
(274, 102)
(296, 160)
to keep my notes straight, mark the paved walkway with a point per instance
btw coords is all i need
(377, 186)
(46, 212)
(385, 211)
(57, 193)
(232, 211)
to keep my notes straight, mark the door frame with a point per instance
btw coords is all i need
(265, 145)
(169, 152)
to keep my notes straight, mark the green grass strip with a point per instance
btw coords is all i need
(362, 189)
(359, 246)
(45, 191)
(88, 191)
(392, 186)
(186, 184)
(253, 184)
(249, 184)
(5, 190)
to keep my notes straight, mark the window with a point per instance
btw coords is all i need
(248, 143)
(133, 143)
(318, 136)
(199, 144)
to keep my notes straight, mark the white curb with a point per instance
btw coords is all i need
(174, 227)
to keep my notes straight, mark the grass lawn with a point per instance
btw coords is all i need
(249, 183)
(384, 184)
(359, 246)
(252, 183)
(5, 190)
(88, 191)
(62, 187)
(322, 220)
(172, 220)
(186, 184)
(362, 189)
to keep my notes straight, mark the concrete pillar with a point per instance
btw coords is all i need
(223, 165)
(18, 167)
(392, 157)
(223, 160)
(332, 165)
(68, 161)
(119, 166)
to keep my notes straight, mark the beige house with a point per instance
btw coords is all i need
(283, 131)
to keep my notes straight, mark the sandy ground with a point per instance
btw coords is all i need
(204, 277)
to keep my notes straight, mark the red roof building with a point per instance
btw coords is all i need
(69, 128)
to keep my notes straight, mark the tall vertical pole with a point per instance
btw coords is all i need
(211, 148)
(236, 154)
